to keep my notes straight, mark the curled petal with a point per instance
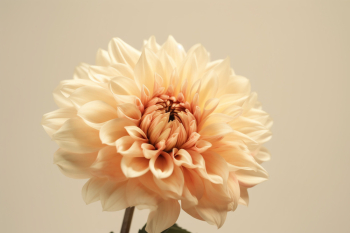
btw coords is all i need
(114, 129)
(127, 146)
(191, 141)
(149, 151)
(129, 111)
(136, 133)
(183, 158)
(134, 166)
(201, 146)
(162, 166)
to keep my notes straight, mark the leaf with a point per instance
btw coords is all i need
(173, 229)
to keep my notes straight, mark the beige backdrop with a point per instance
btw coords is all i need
(296, 54)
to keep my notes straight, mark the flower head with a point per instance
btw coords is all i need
(152, 128)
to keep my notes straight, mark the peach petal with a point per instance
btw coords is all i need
(164, 217)
(87, 94)
(173, 184)
(54, 120)
(96, 113)
(107, 164)
(191, 141)
(92, 189)
(127, 146)
(74, 165)
(129, 111)
(162, 166)
(114, 129)
(134, 166)
(113, 196)
(121, 52)
(201, 146)
(183, 158)
(136, 133)
(140, 196)
(76, 136)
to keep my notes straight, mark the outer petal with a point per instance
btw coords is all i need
(92, 189)
(54, 120)
(174, 50)
(124, 89)
(121, 52)
(96, 113)
(250, 178)
(173, 184)
(244, 199)
(263, 155)
(164, 217)
(87, 94)
(102, 58)
(107, 164)
(215, 132)
(216, 168)
(113, 196)
(74, 165)
(103, 74)
(76, 136)
(60, 99)
(82, 72)
(146, 68)
(140, 196)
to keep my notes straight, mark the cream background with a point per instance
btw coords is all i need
(296, 54)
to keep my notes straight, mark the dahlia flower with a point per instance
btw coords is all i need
(154, 128)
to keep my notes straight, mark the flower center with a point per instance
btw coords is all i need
(171, 106)
(168, 122)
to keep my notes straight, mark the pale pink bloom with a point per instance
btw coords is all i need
(152, 128)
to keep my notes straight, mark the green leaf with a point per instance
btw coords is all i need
(173, 229)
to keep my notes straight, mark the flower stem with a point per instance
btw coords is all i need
(127, 219)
